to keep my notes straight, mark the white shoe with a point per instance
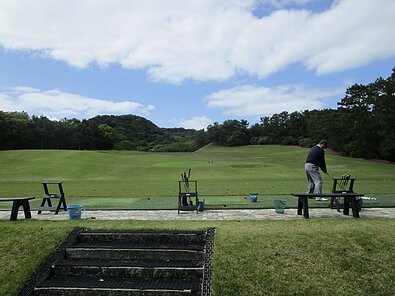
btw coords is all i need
(321, 199)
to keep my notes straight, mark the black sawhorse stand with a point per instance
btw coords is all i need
(48, 196)
(185, 196)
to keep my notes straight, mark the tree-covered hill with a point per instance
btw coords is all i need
(125, 132)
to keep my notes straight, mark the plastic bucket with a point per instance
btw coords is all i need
(75, 212)
(359, 204)
(200, 206)
(253, 197)
(279, 205)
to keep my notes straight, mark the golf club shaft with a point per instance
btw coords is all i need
(341, 185)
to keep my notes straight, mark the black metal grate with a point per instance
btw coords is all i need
(45, 269)
(206, 290)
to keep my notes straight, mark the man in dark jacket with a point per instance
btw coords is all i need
(316, 160)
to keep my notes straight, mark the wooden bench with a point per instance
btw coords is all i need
(18, 202)
(350, 200)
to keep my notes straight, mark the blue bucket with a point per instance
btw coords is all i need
(75, 212)
(253, 197)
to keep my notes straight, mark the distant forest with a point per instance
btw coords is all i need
(363, 125)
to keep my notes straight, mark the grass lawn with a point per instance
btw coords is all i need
(226, 175)
(304, 257)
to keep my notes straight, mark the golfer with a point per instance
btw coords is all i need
(315, 161)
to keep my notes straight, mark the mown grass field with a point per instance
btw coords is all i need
(131, 179)
(304, 257)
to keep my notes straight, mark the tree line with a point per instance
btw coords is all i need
(125, 132)
(363, 125)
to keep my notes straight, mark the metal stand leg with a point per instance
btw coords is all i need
(346, 210)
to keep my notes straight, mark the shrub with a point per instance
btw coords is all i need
(306, 142)
(124, 145)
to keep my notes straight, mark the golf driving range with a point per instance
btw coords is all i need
(226, 176)
(265, 257)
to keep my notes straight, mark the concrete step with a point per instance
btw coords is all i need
(120, 263)
(133, 254)
(135, 263)
(195, 273)
(48, 291)
(178, 237)
(138, 245)
(116, 286)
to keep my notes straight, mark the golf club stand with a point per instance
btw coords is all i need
(47, 197)
(187, 193)
(344, 184)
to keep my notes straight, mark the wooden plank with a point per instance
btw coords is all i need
(16, 198)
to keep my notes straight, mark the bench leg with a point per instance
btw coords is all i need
(300, 206)
(26, 209)
(14, 212)
(305, 207)
(15, 208)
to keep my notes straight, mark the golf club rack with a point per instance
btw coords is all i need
(187, 193)
(343, 184)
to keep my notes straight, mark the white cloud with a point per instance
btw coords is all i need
(201, 39)
(197, 123)
(248, 100)
(56, 104)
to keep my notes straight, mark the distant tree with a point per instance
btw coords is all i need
(124, 145)
(17, 130)
(200, 139)
(229, 133)
(43, 132)
(371, 113)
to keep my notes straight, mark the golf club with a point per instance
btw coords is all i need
(185, 179)
(340, 184)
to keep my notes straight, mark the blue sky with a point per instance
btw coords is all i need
(189, 63)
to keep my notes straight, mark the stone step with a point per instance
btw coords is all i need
(135, 263)
(133, 254)
(116, 286)
(179, 237)
(120, 263)
(48, 291)
(138, 245)
(132, 272)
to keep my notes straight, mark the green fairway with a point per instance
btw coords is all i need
(297, 257)
(131, 179)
